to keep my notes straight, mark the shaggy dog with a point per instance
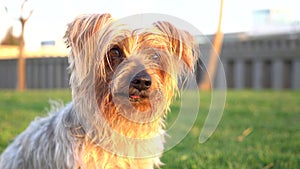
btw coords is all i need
(122, 82)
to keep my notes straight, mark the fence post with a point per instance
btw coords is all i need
(277, 74)
(296, 74)
(257, 74)
(239, 74)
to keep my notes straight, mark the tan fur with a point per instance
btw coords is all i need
(102, 127)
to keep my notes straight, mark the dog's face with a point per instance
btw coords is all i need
(133, 73)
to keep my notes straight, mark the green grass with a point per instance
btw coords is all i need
(272, 120)
(18, 109)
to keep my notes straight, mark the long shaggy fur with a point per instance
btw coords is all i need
(102, 127)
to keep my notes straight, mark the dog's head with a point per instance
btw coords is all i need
(128, 71)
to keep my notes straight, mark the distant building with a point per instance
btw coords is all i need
(48, 43)
(50, 48)
(270, 21)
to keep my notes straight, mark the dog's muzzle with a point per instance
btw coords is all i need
(139, 86)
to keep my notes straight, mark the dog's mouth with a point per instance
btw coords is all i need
(133, 95)
(136, 102)
(138, 96)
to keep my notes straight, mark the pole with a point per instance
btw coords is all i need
(209, 76)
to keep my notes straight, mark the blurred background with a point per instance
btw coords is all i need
(260, 44)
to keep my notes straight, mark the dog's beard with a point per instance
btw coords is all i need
(141, 110)
(140, 106)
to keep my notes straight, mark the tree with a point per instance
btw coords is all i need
(10, 39)
(21, 60)
(209, 76)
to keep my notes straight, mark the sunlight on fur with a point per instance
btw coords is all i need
(122, 82)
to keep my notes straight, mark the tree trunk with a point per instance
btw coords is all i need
(21, 61)
(209, 76)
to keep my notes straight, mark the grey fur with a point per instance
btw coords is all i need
(45, 144)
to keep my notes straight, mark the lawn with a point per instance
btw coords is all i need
(258, 129)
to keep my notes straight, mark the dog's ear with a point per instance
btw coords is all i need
(83, 27)
(182, 43)
(80, 37)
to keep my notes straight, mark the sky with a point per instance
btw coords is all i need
(50, 17)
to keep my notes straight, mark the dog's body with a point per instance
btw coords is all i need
(122, 84)
(49, 143)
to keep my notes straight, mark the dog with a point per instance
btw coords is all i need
(123, 81)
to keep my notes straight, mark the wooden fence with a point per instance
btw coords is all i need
(271, 62)
(41, 73)
(264, 62)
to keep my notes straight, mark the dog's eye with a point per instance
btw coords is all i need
(115, 53)
(156, 56)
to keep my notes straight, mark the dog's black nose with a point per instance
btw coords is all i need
(142, 81)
